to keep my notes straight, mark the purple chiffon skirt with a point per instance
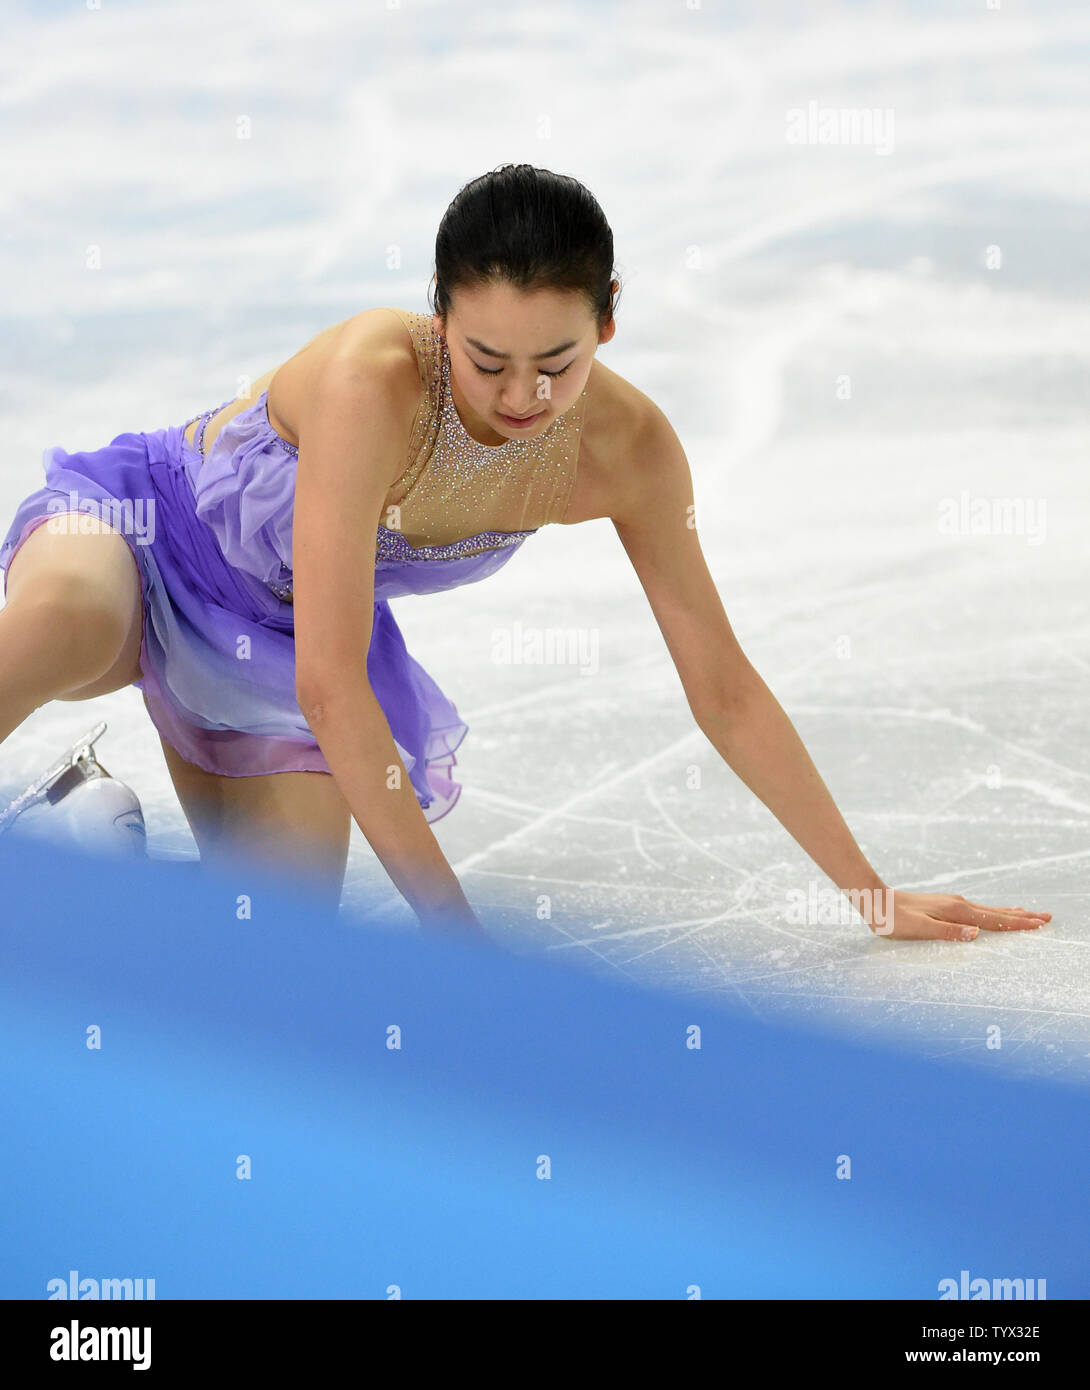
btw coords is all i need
(217, 656)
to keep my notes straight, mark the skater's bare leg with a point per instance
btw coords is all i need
(71, 630)
(71, 627)
(295, 824)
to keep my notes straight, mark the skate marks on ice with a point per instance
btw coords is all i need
(583, 820)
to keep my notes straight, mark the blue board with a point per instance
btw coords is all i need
(245, 1129)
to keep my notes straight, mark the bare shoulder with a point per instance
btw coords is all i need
(631, 455)
(374, 344)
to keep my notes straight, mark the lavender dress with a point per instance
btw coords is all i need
(212, 542)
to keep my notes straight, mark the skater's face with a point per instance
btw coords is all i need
(518, 353)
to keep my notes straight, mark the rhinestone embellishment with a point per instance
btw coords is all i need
(392, 545)
(453, 479)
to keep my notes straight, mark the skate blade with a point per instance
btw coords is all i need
(57, 780)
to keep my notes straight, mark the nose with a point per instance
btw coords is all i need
(522, 408)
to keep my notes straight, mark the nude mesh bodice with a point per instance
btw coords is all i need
(456, 498)
(455, 487)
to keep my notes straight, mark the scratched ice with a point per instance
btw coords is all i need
(845, 341)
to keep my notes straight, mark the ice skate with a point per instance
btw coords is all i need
(76, 801)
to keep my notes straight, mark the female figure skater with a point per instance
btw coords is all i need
(393, 454)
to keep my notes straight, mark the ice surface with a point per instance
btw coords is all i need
(937, 679)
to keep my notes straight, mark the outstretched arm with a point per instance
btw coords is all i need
(735, 708)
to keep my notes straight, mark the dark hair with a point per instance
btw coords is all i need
(530, 227)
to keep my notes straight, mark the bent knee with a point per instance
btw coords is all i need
(70, 603)
(85, 629)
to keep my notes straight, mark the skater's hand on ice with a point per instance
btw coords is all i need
(950, 917)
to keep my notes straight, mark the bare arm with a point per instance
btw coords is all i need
(741, 716)
(351, 444)
(729, 701)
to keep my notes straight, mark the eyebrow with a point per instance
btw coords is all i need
(491, 352)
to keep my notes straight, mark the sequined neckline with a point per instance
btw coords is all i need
(452, 421)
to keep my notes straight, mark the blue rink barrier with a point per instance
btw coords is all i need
(246, 1130)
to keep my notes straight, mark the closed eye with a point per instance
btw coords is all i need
(485, 371)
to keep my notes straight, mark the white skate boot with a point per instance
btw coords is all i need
(77, 802)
